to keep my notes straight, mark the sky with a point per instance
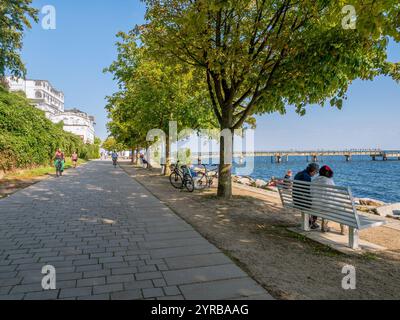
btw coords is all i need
(73, 56)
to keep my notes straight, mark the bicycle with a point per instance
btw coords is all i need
(181, 177)
(205, 178)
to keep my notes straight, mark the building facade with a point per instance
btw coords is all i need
(41, 93)
(77, 122)
(50, 100)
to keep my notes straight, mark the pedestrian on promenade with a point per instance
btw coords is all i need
(74, 159)
(59, 160)
(302, 194)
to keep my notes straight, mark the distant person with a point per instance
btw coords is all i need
(301, 193)
(59, 160)
(74, 159)
(114, 157)
(326, 178)
(288, 175)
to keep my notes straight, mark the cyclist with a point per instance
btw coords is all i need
(114, 157)
(59, 160)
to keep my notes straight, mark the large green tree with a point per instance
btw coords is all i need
(15, 16)
(152, 94)
(259, 56)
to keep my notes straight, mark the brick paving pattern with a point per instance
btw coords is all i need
(108, 238)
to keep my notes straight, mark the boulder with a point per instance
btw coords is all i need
(391, 210)
(260, 183)
(370, 202)
(245, 181)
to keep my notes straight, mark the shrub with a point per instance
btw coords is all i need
(29, 139)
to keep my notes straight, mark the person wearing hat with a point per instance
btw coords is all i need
(300, 191)
(326, 177)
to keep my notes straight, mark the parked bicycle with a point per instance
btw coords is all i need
(181, 177)
(205, 178)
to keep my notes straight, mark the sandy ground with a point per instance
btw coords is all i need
(251, 229)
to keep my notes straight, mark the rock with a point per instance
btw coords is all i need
(245, 181)
(391, 210)
(370, 202)
(260, 183)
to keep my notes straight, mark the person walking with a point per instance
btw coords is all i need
(59, 160)
(302, 197)
(74, 158)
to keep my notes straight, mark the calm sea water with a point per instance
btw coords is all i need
(373, 179)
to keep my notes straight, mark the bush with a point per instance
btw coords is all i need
(29, 139)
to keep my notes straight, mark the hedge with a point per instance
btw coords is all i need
(29, 139)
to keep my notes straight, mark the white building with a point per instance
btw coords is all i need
(77, 122)
(45, 97)
(42, 94)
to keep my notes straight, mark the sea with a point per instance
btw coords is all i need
(378, 179)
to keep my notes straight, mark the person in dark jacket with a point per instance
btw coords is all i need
(302, 194)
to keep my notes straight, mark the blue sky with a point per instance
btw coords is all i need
(73, 56)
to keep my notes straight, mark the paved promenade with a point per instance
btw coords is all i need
(108, 238)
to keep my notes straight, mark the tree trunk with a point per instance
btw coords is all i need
(137, 155)
(224, 172)
(133, 156)
(167, 170)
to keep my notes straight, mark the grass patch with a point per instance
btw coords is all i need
(39, 171)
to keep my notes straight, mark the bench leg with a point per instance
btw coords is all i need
(353, 238)
(305, 221)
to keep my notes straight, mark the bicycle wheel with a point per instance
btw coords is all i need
(200, 182)
(189, 184)
(176, 180)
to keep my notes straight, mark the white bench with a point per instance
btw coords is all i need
(332, 203)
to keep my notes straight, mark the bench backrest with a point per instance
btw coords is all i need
(333, 203)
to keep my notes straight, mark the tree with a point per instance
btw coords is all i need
(152, 94)
(110, 144)
(14, 18)
(259, 56)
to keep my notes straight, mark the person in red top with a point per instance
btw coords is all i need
(74, 158)
(59, 160)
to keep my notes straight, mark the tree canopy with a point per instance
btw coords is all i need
(260, 56)
(152, 94)
(14, 18)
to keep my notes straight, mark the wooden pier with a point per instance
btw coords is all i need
(279, 156)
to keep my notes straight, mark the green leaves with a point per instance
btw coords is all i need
(15, 17)
(28, 138)
(153, 93)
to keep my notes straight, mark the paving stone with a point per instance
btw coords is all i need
(75, 292)
(108, 288)
(44, 295)
(202, 260)
(120, 278)
(91, 282)
(153, 293)
(148, 275)
(127, 295)
(142, 284)
(171, 291)
(219, 290)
